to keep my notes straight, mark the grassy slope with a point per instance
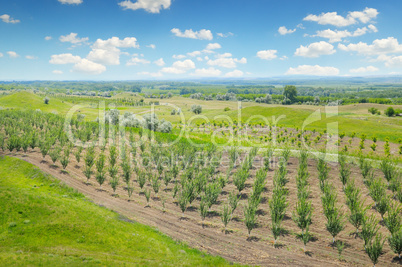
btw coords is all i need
(350, 118)
(57, 226)
(348, 123)
(27, 100)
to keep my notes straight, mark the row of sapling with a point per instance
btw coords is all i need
(113, 169)
(395, 186)
(254, 200)
(389, 169)
(393, 177)
(335, 219)
(354, 199)
(377, 191)
(268, 155)
(365, 167)
(234, 155)
(356, 205)
(373, 241)
(376, 186)
(89, 160)
(65, 158)
(240, 178)
(395, 242)
(344, 170)
(278, 202)
(393, 222)
(323, 171)
(303, 214)
(100, 175)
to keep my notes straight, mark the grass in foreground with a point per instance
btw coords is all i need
(45, 223)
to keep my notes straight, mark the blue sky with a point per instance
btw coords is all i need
(192, 39)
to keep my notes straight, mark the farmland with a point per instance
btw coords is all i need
(253, 194)
(200, 133)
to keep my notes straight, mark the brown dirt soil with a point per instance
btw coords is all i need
(234, 245)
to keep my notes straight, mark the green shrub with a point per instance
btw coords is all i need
(226, 215)
(374, 248)
(370, 228)
(250, 218)
(395, 242)
(389, 112)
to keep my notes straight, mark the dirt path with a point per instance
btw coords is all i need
(209, 236)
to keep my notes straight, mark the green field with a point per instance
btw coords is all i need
(27, 100)
(45, 223)
(350, 118)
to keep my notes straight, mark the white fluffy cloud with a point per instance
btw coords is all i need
(107, 52)
(208, 50)
(226, 61)
(186, 64)
(72, 38)
(136, 61)
(333, 36)
(1, 54)
(64, 59)
(88, 67)
(364, 16)
(200, 35)
(224, 35)
(12, 54)
(332, 18)
(364, 69)
(48, 38)
(178, 56)
(160, 62)
(337, 36)
(7, 19)
(235, 73)
(128, 42)
(390, 61)
(372, 28)
(282, 30)
(394, 62)
(110, 56)
(315, 70)
(213, 46)
(267, 54)
(151, 6)
(179, 67)
(71, 2)
(58, 72)
(194, 53)
(210, 72)
(30, 57)
(151, 46)
(378, 47)
(315, 50)
(81, 65)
